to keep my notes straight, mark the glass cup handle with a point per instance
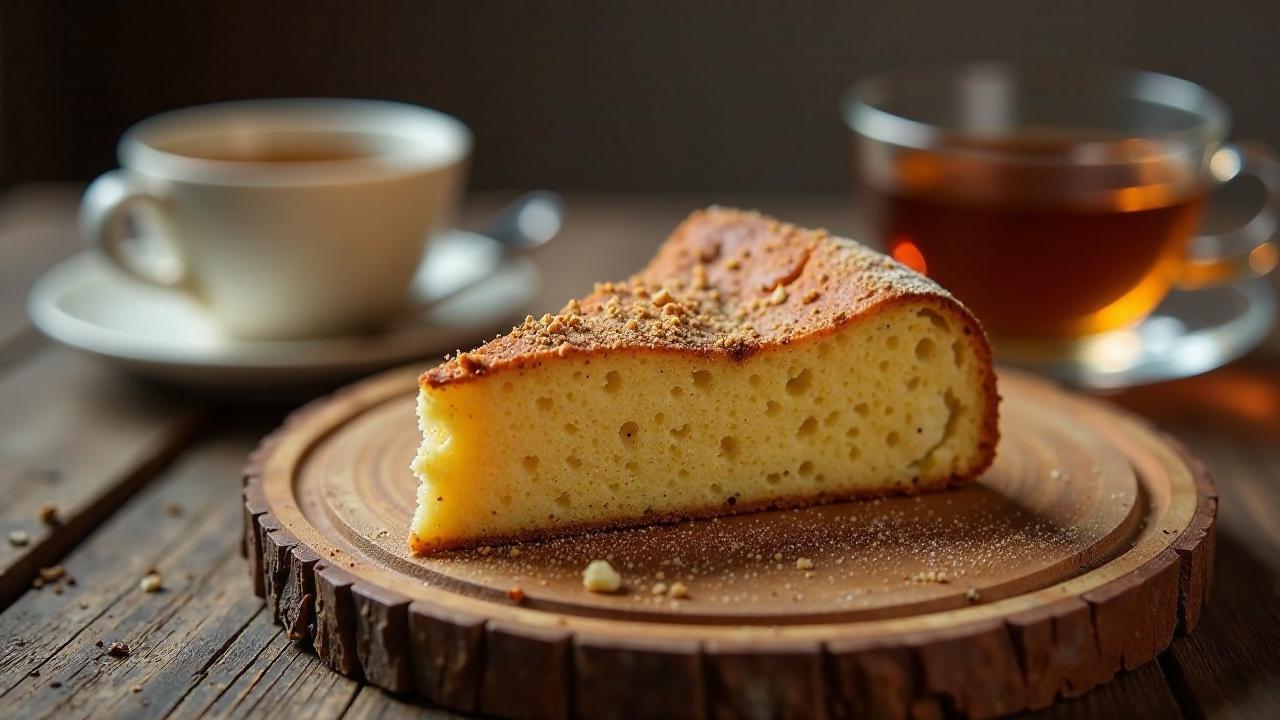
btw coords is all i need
(1249, 250)
(107, 204)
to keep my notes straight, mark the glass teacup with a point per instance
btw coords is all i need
(1062, 206)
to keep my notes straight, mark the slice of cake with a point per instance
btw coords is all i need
(752, 364)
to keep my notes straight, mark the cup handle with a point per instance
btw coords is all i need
(104, 209)
(1249, 250)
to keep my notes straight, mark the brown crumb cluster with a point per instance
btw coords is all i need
(727, 282)
(48, 514)
(55, 578)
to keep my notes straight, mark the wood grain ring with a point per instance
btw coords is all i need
(1108, 585)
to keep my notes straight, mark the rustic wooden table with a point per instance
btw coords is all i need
(143, 479)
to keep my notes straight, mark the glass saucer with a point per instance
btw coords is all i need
(1191, 332)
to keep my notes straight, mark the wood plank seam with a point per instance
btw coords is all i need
(248, 712)
(70, 533)
(351, 701)
(239, 673)
(113, 605)
(39, 666)
(203, 672)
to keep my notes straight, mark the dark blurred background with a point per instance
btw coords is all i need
(659, 95)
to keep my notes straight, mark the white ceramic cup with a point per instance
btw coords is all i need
(286, 218)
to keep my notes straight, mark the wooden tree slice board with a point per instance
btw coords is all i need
(1078, 554)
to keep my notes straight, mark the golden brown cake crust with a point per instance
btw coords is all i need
(727, 282)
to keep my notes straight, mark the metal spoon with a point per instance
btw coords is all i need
(528, 222)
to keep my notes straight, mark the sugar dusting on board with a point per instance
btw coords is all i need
(850, 556)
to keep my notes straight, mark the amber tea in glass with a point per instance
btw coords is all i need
(1031, 260)
(1057, 204)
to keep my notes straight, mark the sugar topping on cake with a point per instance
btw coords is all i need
(727, 282)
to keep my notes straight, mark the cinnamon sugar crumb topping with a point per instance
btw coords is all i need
(685, 300)
(699, 277)
(469, 363)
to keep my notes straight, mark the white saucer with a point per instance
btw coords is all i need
(87, 305)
